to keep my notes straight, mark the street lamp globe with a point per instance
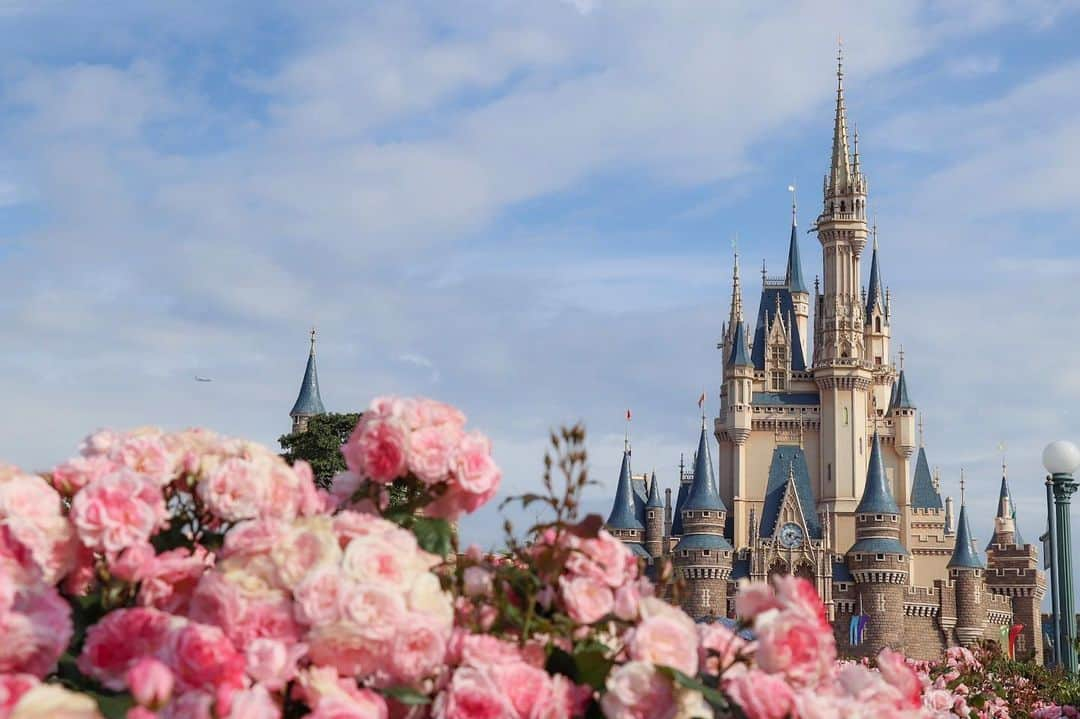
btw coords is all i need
(1061, 457)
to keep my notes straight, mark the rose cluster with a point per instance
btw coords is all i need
(425, 442)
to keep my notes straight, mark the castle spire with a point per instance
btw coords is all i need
(876, 497)
(794, 278)
(704, 493)
(1006, 511)
(840, 175)
(308, 401)
(654, 493)
(964, 554)
(873, 295)
(736, 294)
(624, 514)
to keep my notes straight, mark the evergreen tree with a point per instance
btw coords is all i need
(320, 444)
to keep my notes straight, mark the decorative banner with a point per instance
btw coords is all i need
(1013, 634)
(857, 629)
(1004, 637)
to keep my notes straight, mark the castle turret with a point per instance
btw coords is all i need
(1013, 571)
(703, 555)
(308, 401)
(623, 521)
(734, 424)
(950, 528)
(877, 334)
(654, 520)
(878, 562)
(966, 571)
(667, 512)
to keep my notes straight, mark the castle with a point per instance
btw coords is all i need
(814, 457)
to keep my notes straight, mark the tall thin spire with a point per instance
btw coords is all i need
(873, 295)
(840, 175)
(964, 555)
(736, 293)
(794, 278)
(624, 513)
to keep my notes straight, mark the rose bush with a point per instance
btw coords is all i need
(185, 574)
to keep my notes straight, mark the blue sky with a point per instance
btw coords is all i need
(525, 209)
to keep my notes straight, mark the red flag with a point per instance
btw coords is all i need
(701, 400)
(1014, 632)
(627, 415)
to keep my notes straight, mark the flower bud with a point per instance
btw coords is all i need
(151, 683)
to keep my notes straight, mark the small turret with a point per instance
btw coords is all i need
(308, 401)
(966, 570)
(654, 520)
(800, 295)
(667, 512)
(1006, 533)
(903, 412)
(703, 554)
(950, 528)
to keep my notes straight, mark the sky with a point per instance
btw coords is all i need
(527, 210)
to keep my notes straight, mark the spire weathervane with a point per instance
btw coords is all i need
(922, 436)
(794, 206)
(763, 272)
(901, 358)
(626, 437)
(313, 333)
(961, 486)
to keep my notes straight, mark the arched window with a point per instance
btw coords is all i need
(877, 324)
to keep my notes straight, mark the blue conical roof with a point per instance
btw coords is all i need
(876, 498)
(923, 493)
(654, 494)
(901, 400)
(308, 402)
(739, 355)
(873, 294)
(794, 278)
(1002, 496)
(624, 513)
(964, 554)
(704, 493)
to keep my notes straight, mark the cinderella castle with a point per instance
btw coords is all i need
(819, 469)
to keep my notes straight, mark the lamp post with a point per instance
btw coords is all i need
(1061, 459)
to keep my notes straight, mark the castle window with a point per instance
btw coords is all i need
(879, 517)
(877, 359)
(704, 552)
(858, 557)
(877, 326)
(900, 557)
(880, 557)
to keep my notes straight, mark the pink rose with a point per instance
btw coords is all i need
(236, 489)
(430, 450)
(172, 577)
(419, 649)
(636, 690)
(150, 682)
(720, 648)
(12, 687)
(120, 639)
(146, 455)
(202, 657)
(666, 640)
(474, 469)
(133, 563)
(253, 703)
(894, 668)
(477, 581)
(55, 702)
(376, 450)
(800, 647)
(760, 695)
(796, 594)
(587, 600)
(526, 688)
(627, 598)
(471, 694)
(319, 596)
(117, 512)
(753, 599)
(272, 662)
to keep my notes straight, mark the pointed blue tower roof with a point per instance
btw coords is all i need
(964, 554)
(873, 293)
(739, 356)
(901, 400)
(703, 493)
(654, 494)
(876, 498)
(624, 514)
(1003, 495)
(923, 493)
(309, 402)
(794, 278)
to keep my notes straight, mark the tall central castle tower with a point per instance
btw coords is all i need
(816, 439)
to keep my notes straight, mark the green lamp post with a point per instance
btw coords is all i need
(1061, 459)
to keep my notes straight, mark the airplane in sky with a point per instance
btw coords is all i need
(202, 379)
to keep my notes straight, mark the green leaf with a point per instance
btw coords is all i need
(592, 667)
(406, 695)
(434, 535)
(560, 662)
(114, 707)
(714, 697)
